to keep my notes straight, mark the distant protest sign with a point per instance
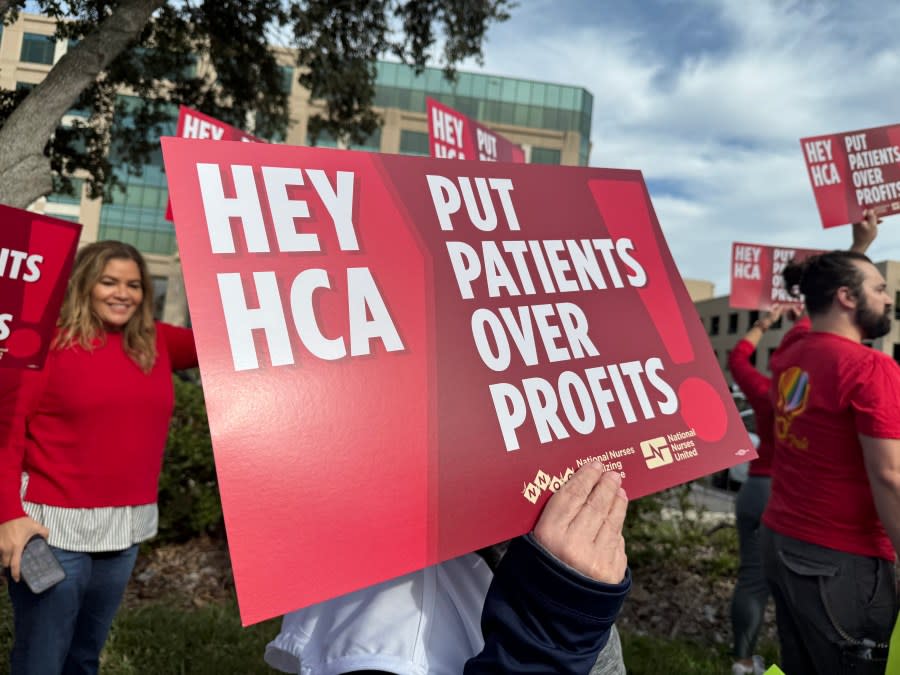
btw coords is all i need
(452, 135)
(854, 170)
(756, 275)
(36, 254)
(406, 356)
(194, 124)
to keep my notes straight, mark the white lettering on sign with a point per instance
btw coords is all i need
(822, 168)
(818, 151)
(825, 174)
(548, 333)
(245, 205)
(367, 313)
(447, 128)
(194, 127)
(448, 199)
(487, 145)
(20, 265)
(574, 400)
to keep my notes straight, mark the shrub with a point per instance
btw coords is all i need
(666, 529)
(188, 492)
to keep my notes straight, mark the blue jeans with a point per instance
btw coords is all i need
(63, 629)
(751, 593)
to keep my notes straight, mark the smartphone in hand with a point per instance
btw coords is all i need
(40, 569)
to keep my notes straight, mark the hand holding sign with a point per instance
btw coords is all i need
(582, 524)
(865, 231)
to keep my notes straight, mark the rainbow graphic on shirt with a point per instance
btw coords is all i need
(793, 393)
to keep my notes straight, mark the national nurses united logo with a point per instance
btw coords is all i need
(793, 394)
(679, 446)
(656, 452)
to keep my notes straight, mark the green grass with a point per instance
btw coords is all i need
(165, 639)
(646, 655)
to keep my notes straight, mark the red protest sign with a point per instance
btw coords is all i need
(756, 281)
(36, 254)
(852, 171)
(452, 135)
(404, 356)
(195, 124)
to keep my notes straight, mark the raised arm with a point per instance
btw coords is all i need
(865, 231)
(753, 383)
(180, 344)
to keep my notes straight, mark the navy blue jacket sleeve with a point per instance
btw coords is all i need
(541, 616)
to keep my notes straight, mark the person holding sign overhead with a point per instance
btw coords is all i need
(751, 592)
(831, 532)
(81, 454)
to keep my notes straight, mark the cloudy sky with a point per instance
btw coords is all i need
(709, 98)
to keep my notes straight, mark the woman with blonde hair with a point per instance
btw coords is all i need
(81, 447)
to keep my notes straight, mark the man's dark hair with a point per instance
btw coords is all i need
(820, 276)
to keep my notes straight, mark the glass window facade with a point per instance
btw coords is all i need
(490, 98)
(37, 48)
(287, 78)
(62, 198)
(545, 156)
(137, 216)
(414, 143)
(326, 140)
(371, 144)
(160, 288)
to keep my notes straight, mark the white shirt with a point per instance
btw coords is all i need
(95, 530)
(424, 623)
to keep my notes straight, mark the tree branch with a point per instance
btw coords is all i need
(25, 133)
(5, 6)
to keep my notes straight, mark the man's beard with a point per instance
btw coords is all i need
(873, 324)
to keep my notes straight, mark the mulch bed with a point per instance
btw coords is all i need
(664, 601)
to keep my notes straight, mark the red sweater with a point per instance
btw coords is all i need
(755, 386)
(91, 427)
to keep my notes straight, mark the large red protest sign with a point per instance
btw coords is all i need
(452, 135)
(854, 170)
(36, 253)
(195, 124)
(756, 275)
(403, 357)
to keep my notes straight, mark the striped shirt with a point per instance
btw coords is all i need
(97, 530)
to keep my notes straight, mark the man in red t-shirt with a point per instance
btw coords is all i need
(832, 525)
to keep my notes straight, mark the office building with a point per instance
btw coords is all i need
(551, 121)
